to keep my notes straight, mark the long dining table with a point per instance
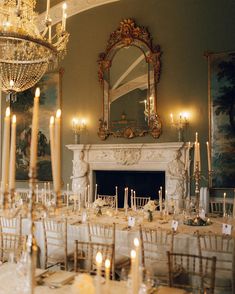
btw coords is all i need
(185, 237)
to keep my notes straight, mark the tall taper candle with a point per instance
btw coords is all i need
(52, 147)
(134, 286)
(57, 184)
(116, 198)
(107, 272)
(95, 191)
(99, 259)
(208, 156)
(224, 205)
(34, 132)
(47, 9)
(5, 151)
(12, 154)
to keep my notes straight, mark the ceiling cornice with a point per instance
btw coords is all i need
(74, 7)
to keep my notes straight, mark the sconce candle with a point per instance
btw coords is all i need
(180, 124)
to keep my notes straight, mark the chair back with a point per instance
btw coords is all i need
(101, 233)
(85, 256)
(221, 246)
(192, 272)
(154, 244)
(11, 243)
(11, 225)
(109, 200)
(217, 207)
(139, 202)
(55, 242)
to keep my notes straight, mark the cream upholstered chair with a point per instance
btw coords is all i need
(85, 255)
(221, 246)
(192, 272)
(55, 242)
(11, 243)
(155, 242)
(106, 234)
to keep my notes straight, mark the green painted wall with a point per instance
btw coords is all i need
(183, 28)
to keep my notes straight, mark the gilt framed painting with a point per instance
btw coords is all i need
(50, 97)
(221, 89)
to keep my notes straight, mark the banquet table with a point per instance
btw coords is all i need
(185, 238)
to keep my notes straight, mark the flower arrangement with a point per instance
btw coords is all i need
(150, 206)
(83, 284)
(98, 203)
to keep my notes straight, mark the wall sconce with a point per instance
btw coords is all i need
(180, 124)
(78, 125)
(148, 107)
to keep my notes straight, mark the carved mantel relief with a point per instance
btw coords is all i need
(166, 157)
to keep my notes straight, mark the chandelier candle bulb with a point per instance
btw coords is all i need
(47, 9)
(34, 132)
(5, 151)
(12, 155)
(52, 145)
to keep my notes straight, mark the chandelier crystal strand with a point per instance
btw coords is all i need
(25, 52)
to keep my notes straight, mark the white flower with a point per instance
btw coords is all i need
(150, 206)
(98, 203)
(83, 284)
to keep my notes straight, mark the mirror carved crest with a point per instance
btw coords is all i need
(129, 72)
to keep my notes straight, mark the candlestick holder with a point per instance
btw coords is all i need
(197, 220)
(31, 243)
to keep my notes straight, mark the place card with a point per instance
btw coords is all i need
(174, 225)
(226, 229)
(202, 214)
(84, 217)
(131, 221)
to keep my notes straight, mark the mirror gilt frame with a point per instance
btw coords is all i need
(130, 34)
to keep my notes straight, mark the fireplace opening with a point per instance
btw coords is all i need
(145, 183)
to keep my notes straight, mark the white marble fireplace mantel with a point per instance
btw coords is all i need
(168, 157)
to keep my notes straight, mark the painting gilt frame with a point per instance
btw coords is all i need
(221, 92)
(50, 101)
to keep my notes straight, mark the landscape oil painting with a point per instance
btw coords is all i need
(222, 118)
(23, 106)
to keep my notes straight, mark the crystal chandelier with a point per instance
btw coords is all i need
(25, 52)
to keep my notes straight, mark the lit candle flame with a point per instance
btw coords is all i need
(8, 111)
(58, 113)
(37, 92)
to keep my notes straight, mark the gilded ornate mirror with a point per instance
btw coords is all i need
(129, 71)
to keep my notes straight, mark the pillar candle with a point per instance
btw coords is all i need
(34, 132)
(5, 151)
(208, 156)
(57, 183)
(52, 147)
(12, 155)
